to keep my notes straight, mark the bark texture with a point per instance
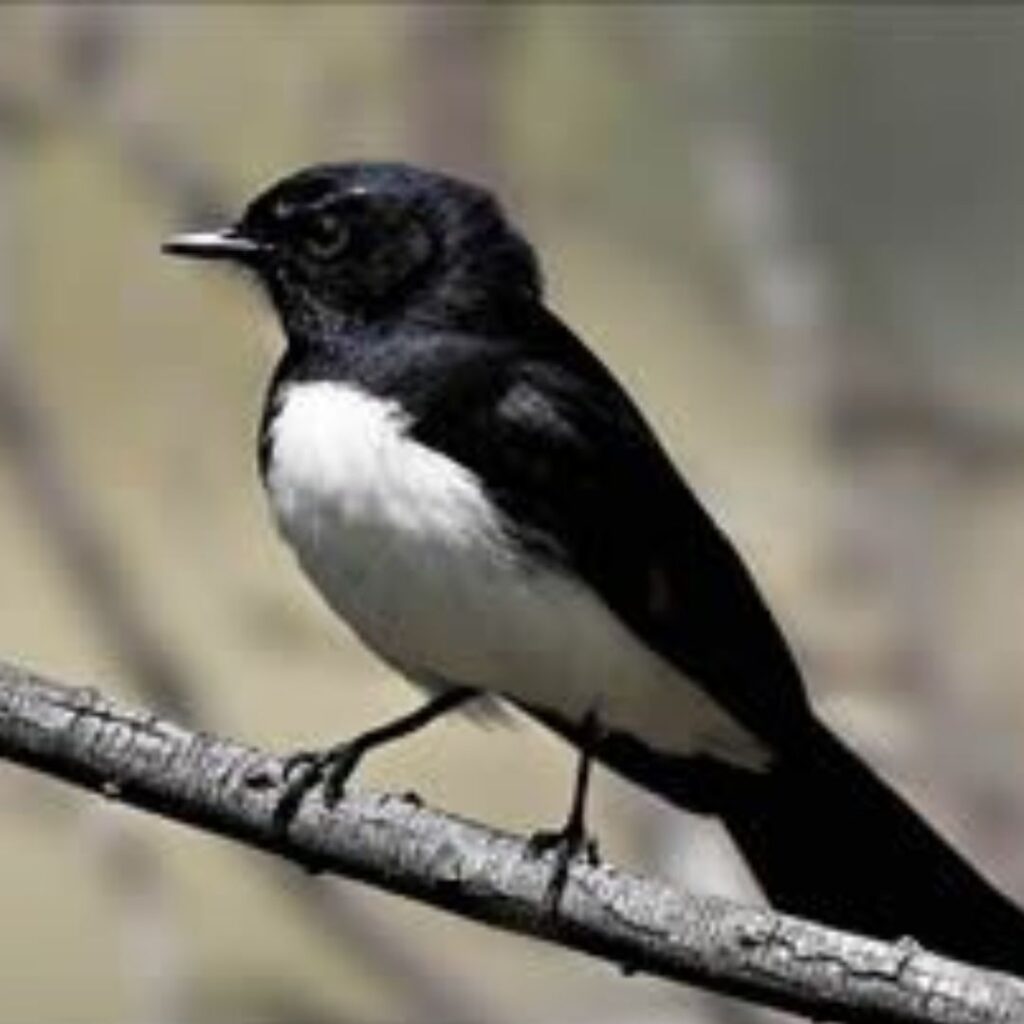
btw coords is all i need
(397, 844)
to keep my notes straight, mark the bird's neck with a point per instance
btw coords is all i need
(396, 365)
(310, 326)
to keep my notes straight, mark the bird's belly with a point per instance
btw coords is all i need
(404, 544)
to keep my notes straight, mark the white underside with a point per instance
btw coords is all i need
(404, 544)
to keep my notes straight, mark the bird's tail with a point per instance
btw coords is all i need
(828, 840)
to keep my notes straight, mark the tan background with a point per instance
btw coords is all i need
(793, 232)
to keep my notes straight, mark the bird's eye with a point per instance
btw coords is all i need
(325, 235)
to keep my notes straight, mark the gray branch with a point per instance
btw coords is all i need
(394, 843)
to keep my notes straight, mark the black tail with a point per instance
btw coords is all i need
(829, 841)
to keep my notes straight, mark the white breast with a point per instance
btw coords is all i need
(404, 543)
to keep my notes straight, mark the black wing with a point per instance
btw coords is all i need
(569, 459)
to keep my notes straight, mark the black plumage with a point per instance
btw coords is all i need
(413, 286)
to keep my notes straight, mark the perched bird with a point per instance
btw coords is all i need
(472, 491)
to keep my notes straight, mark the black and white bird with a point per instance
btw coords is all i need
(471, 490)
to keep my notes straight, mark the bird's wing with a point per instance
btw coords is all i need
(571, 462)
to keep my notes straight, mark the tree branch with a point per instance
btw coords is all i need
(396, 844)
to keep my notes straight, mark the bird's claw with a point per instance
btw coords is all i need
(567, 844)
(305, 769)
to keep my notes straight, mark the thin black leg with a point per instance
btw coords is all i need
(571, 840)
(336, 764)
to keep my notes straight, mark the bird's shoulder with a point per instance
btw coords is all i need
(538, 417)
(584, 482)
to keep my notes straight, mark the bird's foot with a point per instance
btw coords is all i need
(305, 769)
(332, 767)
(567, 844)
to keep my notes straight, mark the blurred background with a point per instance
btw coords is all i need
(794, 232)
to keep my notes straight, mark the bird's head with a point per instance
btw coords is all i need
(344, 244)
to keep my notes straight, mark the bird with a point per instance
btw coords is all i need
(469, 487)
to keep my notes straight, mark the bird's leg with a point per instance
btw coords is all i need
(571, 840)
(334, 765)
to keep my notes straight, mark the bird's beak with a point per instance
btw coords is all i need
(227, 244)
